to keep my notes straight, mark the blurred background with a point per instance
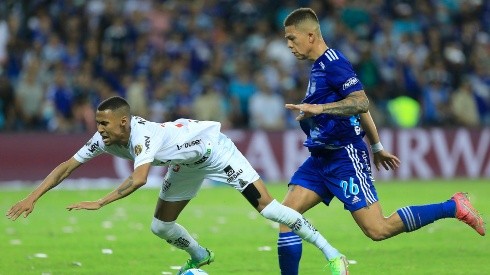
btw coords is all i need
(425, 66)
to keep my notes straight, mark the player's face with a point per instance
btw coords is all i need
(298, 42)
(111, 126)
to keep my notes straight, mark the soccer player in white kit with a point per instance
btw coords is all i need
(193, 150)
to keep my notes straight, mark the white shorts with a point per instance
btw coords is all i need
(225, 164)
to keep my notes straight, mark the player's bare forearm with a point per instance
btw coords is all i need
(355, 103)
(126, 188)
(131, 184)
(52, 180)
(368, 125)
(26, 206)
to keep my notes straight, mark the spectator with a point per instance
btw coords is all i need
(7, 103)
(137, 95)
(266, 107)
(390, 42)
(241, 88)
(54, 51)
(30, 96)
(211, 105)
(60, 96)
(435, 98)
(464, 106)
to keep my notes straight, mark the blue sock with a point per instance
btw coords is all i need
(289, 250)
(415, 217)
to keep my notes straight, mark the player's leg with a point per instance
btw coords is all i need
(377, 227)
(289, 245)
(173, 199)
(230, 166)
(359, 196)
(257, 194)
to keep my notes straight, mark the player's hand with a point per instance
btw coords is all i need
(88, 205)
(305, 110)
(24, 206)
(385, 159)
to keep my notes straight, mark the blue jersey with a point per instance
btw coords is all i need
(332, 78)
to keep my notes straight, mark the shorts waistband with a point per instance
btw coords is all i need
(324, 150)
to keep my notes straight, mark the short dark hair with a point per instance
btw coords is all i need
(299, 15)
(113, 103)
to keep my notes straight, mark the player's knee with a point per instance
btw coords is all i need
(376, 233)
(162, 229)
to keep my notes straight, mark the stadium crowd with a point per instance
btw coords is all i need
(422, 62)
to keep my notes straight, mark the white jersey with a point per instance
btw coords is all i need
(182, 142)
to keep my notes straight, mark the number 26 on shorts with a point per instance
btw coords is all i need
(350, 188)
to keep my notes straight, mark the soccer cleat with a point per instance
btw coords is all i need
(466, 213)
(197, 264)
(339, 265)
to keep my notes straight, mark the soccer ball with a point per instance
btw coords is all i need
(195, 271)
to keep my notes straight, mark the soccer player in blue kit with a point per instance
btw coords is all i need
(334, 116)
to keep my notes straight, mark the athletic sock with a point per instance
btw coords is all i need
(415, 217)
(289, 250)
(176, 235)
(299, 225)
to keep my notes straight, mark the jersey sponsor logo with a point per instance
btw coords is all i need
(93, 147)
(137, 149)
(165, 186)
(232, 175)
(189, 144)
(141, 120)
(88, 142)
(203, 159)
(350, 82)
(147, 143)
(229, 171)
(331, 55)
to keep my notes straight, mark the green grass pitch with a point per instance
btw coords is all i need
(244, 242)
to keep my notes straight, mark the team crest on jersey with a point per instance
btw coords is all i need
(137, 149)
(350, 82)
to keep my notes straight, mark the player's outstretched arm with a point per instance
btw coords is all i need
(26, 206)
(132, 183)
(355, 103)
(381, 157)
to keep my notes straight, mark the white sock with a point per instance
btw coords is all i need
(294, 220)
(177, 235)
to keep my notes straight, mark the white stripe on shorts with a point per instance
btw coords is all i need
(360, 175)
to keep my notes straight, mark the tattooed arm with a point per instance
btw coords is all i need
(131, 184)
(355, 103)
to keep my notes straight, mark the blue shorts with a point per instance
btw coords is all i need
(344, 173)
